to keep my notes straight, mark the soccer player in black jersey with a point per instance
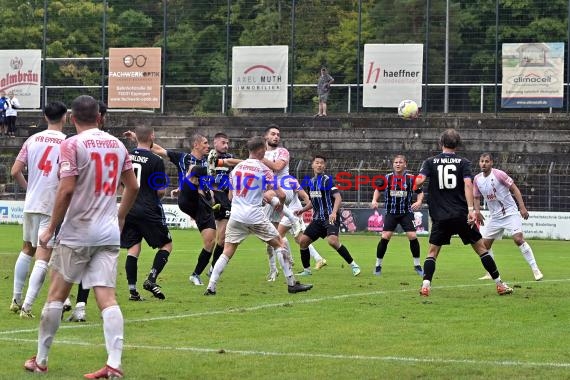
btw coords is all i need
(450, 199)
(146, 219)
(398, 201)
(325, 201)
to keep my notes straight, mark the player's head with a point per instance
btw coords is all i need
(144, 133)
(319, 164)
(55, 113)
(221, 142)
(85, 111)
(200, 146)
(486, 162)
(399, 163)
(450, 139)
(256, 147)
(272, 135)
(323, 70)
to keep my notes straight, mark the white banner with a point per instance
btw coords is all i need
(21, 74)
(543, 225)
(392, 73)
(259, 76)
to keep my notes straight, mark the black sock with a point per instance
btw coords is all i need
(160, 260)
(381, 248)
(131, 268)
(82, 294)
(345, 254)
(306, 257)
(415, 248)
(429, 268)
(490, 265)
(203, 260)
(217, 253)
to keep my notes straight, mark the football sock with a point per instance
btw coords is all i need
(160, 260)
(314, 253)
(285, 263)
(272, 259)
(528, 255)
(37, 278)
(489, 264)
(203, 260)
(381, 248)
(306, 258)
(223, 260)
(21, 269)
(429, 268)
(345, 254)
(274, 201)
(217, 252)
(82, 294)
(113, 326)
(286, 245)
(49, 323)
(131, 268)
(415, 249)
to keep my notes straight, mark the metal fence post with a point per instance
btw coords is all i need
(550, 186)
(358, 188)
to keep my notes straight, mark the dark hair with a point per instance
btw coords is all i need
(255, 143)
(85, 109)
(102, 108)
(271, 126)
(319, 156)
(220, 135)
(487, 154)
(450, 139)
(55, 111)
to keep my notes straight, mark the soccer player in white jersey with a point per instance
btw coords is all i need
(249, 181)
(39, 154)
(495, 186)
(92, 164)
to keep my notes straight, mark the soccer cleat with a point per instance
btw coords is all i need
(154, 289)
(272, 276)
(503, 289)
(487, 276)
(321, 263)
(26, 314)
(424, 291)
(305, 272)
(419, 270)
(78, 314)
(212, 162)
(135, 296)
(298, 287)
(355, 270)
(297, 227)
(378, 270)
(32, 365)
(106, 372)
(67, 305)
(209, 292)
(195, 279)
(537, 274)
(15, 306)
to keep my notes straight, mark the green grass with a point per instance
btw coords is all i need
(347, 327)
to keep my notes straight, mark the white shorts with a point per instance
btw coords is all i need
(34, 225)
(236, 232)
(92, 266)
(494, 227)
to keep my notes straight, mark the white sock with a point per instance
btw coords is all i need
(426, 283)
(217, 272)
(274, 201)
(113, 326)
(284, 261)
(314, 253)
(37, 278)
(271, 259)
(49, 323)
(528, 255)
(416, 261)
(353, 264)
(21, 269)
(289, 214)
(379, 262)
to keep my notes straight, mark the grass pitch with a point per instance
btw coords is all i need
(347, 327)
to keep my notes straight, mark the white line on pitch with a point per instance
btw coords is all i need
(497, 363)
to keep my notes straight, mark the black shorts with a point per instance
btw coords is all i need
(443, 230)
(391, 221)
(155, 234)
(321, 229)
(221, 197)
(194, 205)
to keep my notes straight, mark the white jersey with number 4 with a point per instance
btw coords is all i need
(40, 153)
(494, 189)
(97, 159)
(279, 154)
(249, 180)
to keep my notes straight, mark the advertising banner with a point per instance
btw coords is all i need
(533, 75)
(21, 75)
(134, 77)
(259, 76)
(392, 73)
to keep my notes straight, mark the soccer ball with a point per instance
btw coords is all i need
(408, 109)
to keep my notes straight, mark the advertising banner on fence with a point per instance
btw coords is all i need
(392, 73)
(134, 77)
(259, 76)
(21, 74)
(533, 75)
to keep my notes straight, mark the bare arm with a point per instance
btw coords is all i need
(375, 196)
(131, 188)
(275, 166)
(518, 196)
(336, 206)
(471, 215)
(157, 149)
(419, 200)
(16, 172)
(230, 161)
